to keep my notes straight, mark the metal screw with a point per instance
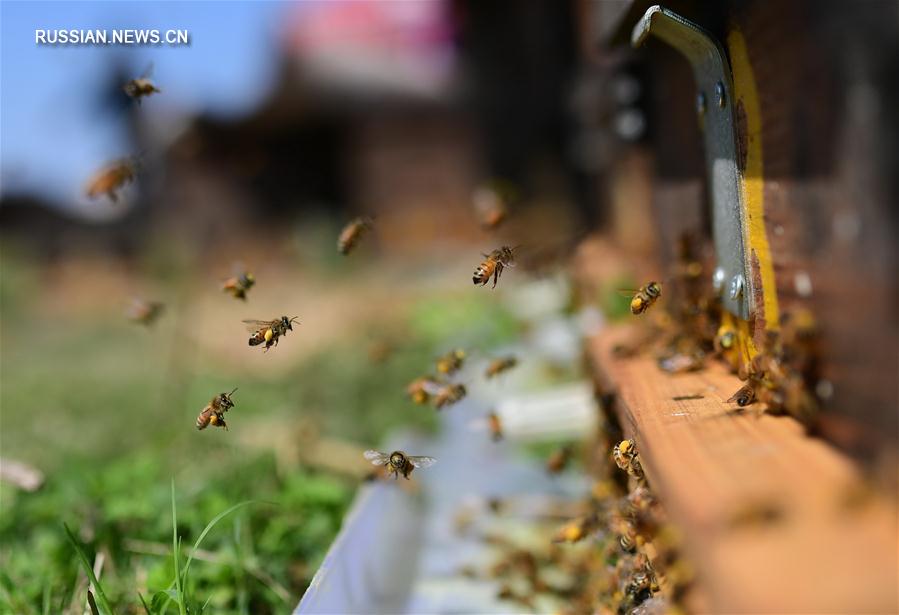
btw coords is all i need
(719, 94)
(736, 286)
(718, 279)
(701, 104)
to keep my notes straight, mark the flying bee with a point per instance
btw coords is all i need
(490, 205)
(451, 362)
(577, 529)
(449, 394)
(111, 178)
(145, 312)
(493, 265)
(498, 366)
(496, 426)
(269, 331)
(398, 462)
(352, 233)
(214, 412)
(744, 396)
(142, 86)
(238, 285)
(627, 458)
(643, 298)
(422, 389)
(559, 459)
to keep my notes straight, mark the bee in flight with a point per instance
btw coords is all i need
(238, 285)
(642, 299)
(142, 86)
(398, 462)
(498, 366)
(577, 529)
(111, 178)
(214, 412)
(145, 312)
(493, 265)
(422, 389)
(352, 233)
(490, 205)
(496, 426)
(559, 459)
(451, 362)
(449, 394)
(269, 331)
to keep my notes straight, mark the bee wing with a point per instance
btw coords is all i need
(420, 461)
(626, 292)
(254, 325)
(148, 72)
(376, 458)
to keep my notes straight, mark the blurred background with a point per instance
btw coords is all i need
(279, 123)
(275, 126)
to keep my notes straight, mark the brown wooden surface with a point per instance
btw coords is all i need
(831, 546)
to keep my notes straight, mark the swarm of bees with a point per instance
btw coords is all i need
(268, 332)
(352, 233)
(399, 462)
(493, 265)
(214, 412)
(238, 285)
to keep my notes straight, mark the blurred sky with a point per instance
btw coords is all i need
(54, 132)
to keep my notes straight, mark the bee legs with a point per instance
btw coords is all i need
(496, 273)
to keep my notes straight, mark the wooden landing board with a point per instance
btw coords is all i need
(828, 546)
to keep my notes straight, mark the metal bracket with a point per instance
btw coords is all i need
(714, 105)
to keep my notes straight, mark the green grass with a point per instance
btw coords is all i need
(94, 402)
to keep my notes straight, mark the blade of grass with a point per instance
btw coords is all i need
(144, 604)
(176, 543)
(212, 524)
(103, 602)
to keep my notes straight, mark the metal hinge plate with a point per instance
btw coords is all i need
(714, 104)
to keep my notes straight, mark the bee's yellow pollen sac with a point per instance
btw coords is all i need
(269, 335)
(624, 446)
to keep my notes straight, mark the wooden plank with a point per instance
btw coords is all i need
(828, 544)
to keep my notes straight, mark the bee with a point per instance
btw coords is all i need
(269, 331)
(559, 459)
(627, 533)
(644, 297)
(111, 178)
(352, 233)
(449, 394)
(498, 366)
(577, 529)
(744, 396)
(142, 86)
(422, 389)
(496, 426)
(214, 412)
(451, 362)
(399, 462)
(145, 312)
(238, 285)
(494, 264)
(490, 206)
(725, 339)
(627, 458)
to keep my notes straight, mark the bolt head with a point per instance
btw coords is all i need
(719, 94)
